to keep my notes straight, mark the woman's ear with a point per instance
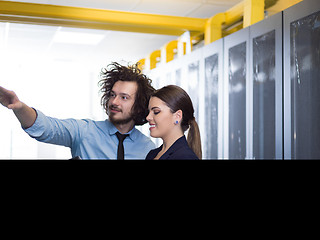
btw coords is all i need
(178, 115)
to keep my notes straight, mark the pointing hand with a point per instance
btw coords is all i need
(9, 99)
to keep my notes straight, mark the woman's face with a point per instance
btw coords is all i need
(160, 118)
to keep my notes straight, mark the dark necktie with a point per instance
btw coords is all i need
(121, 137)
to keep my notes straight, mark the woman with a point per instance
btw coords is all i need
(170, 115)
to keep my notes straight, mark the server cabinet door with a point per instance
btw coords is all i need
(213, 89)
(235, 97)
(174, 67)
(193, 84)
(191, 81)
(265, 91)
(301, 81)
(169, 71)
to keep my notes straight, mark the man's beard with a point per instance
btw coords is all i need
(120, 121)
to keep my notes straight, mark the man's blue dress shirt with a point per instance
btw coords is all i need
(89, 139)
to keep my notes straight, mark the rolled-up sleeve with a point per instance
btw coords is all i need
(63, 132)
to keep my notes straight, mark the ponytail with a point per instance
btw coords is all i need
(194, 140)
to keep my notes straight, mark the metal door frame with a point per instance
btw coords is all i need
(294, 13)
(272, 23)
(231, 41)
(216, 47)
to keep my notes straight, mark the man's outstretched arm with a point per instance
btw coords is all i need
(25, 114)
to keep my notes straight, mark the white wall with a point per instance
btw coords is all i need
(62, 85)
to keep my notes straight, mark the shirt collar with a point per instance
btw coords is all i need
(112, 130)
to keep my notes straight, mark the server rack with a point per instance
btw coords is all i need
(265, 89)
(192, 66)
(236, 68)
(301, 81)
(174, 71)
(213, 100)
(191, 75)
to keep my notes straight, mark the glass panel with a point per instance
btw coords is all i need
(211, 105)
(305, 87)
(264, 96)
(157, 83)
(178, 77)
(169, 80)
(237, 101)
(193, 75)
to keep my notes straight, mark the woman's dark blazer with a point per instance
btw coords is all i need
(179, 150)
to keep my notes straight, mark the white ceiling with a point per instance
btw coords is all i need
(115, 45)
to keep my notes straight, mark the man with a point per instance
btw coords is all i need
(126, 92)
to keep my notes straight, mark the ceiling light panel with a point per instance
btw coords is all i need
(78, 38)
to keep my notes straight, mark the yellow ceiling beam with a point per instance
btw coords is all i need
(253, 12)
(168, 51)
(247, 11)
(154, 58)
(98, 18)
(213, 30)
(281, 5)
(90, 25)
(234, 14)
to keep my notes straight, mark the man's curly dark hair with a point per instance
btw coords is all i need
(115, 72)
